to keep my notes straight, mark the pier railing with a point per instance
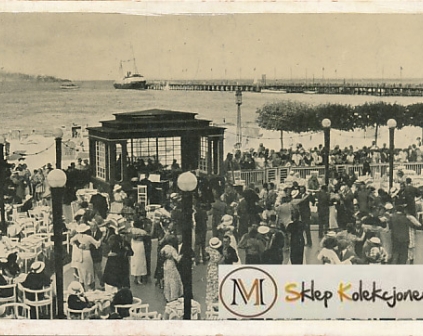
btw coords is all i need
(278, 175)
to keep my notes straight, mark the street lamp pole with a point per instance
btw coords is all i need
(57, 180)
(58, 134)
(326, 123)
(392, 123)
(3, 183)
(187, 182)
(238, 101)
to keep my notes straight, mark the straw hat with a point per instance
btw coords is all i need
(82, 228)
(28, 197)
(117, 187)
(37, 267)
(263, 229)
(375, 240)
(75, 288)
(389, 206)
(174, 196)
(227, 219)
(215, 243)
(331, 234)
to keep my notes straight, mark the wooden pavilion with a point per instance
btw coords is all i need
(151, 140)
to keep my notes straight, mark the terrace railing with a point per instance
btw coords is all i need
(277, 175)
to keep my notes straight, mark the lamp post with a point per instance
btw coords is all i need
(238, 101)
(58, 134)
(2, 184)
(326, 123)
(57, 180)
(187, 182)
(392, 123)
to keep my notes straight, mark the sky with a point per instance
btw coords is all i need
(90, 46)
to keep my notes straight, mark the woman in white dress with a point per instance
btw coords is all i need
(83, 261)
(138, 260)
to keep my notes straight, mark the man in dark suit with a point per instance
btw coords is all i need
(410, 195)
(96, 253)
(99, 203)
(399, 225)
(228, 252)
(347, 254)
(305, 212)
(323, 200)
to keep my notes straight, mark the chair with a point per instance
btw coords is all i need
(28, 227)
(142, 196)
(66, 241)
(135, 302)
(38, 299)
(139, 311)
(19, 311)
(9, 298)
(83, 314)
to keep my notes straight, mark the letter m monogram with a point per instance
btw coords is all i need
(257, 288)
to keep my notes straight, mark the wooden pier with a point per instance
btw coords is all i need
(345, 89)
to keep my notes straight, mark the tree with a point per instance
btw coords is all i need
(414, 115)
(377, 114)
(341, 116)
(286, 115)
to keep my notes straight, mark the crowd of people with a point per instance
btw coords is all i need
(22, 185)
(357, 224)
(298, 156)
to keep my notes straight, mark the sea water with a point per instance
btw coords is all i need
(36, 107)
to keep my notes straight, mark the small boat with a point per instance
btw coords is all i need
(272, 91)
(310, 92)
(68, 85)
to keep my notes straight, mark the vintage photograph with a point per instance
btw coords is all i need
(140, 153)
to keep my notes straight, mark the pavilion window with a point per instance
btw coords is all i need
(204, 150)
(163, 149)
(100, 160)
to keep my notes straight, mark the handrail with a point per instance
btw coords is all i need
(278, 174)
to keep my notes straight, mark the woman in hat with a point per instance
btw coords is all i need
(172, 287)
(82, 242)
(212, 288)
(35, 280)
(76, 298)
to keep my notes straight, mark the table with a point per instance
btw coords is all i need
(176, 309)
(101, 299)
